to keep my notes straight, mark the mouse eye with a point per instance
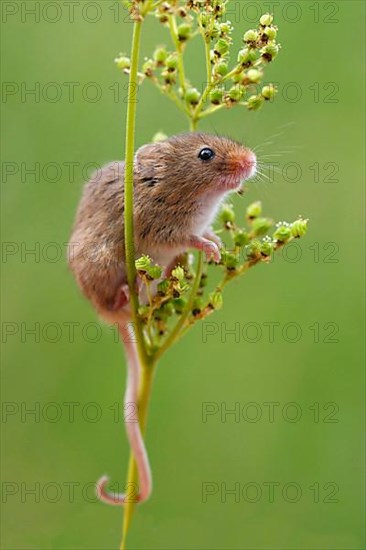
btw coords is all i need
(206, 154)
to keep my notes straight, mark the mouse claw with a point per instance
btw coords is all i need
(212, 252)
(210, 248)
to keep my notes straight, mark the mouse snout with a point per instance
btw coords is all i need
(245, 163)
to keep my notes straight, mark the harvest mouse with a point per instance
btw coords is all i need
(179, 184)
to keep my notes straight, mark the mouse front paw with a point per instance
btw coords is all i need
(211, 249)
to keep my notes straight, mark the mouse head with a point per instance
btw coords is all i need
(194, 163)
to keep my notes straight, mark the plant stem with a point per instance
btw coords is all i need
(128, 214)
(175, 333)
(178, 46)
(146, 365)
(146, 380)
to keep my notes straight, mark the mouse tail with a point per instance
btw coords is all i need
(132, 424)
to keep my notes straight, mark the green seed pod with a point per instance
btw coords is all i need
(169, 77)
(221, 68)
(168, 309)
(123, 62)
(221, 47)
(148, 67)
(260, 226)
(154, 272)
(299, 228)
(197, 306)
(160, 56)
(231, 261)
(254, 103)
(283, 232)
(267, 247)
(216, 96)
(247, 56)
(184, 32)
(268, 92)
(241, 238)
(236, 93)
(253, 250)
(251, 37)
(163, 287)
(216, 300)
(254, 210)
(178, 273)
(266, 19)
(269, 52)
(179, 305)
(227, 214)
(143, 263)
(204, 19)
(143, 313)
(172, 62)
(270, 32)
(225, 28)
(254, 76)
(192, 96)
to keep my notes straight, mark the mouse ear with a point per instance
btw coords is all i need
(147, 163)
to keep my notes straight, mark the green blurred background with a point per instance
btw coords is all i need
(321, 373)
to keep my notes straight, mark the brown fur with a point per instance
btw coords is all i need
(175, 197)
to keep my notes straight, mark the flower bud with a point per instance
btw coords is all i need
(221, 47)
(253, 250)
(254, 76)
(144, 313)
(283, 232)
(269, 52)
(216, 300)
(154, 272)
(160, 56)
(184, 32)
(299, 228)
(266, 19)
(221, 68)
(255, 102)
(247, 56)
(172, 62)
(260, 226)
(270, 32)
(268, 92)
(251, 37)
(169, 77)
(143, 264)
(236, 93)
(229, 260)
(227, 214)
(197, 306)
(123, 62)
(241, 238)
(192, 96)
(148, 67)
(267, 247)
(179, 305)
(163, 287)
(216, 96)
(178, 273)
(159, 136)
(226, 27)
(254, 210)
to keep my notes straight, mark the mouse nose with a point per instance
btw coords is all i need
(245, 163)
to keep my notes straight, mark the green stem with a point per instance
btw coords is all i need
(176, 331)
(128, 214)
(178, 46)
(146, 380)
